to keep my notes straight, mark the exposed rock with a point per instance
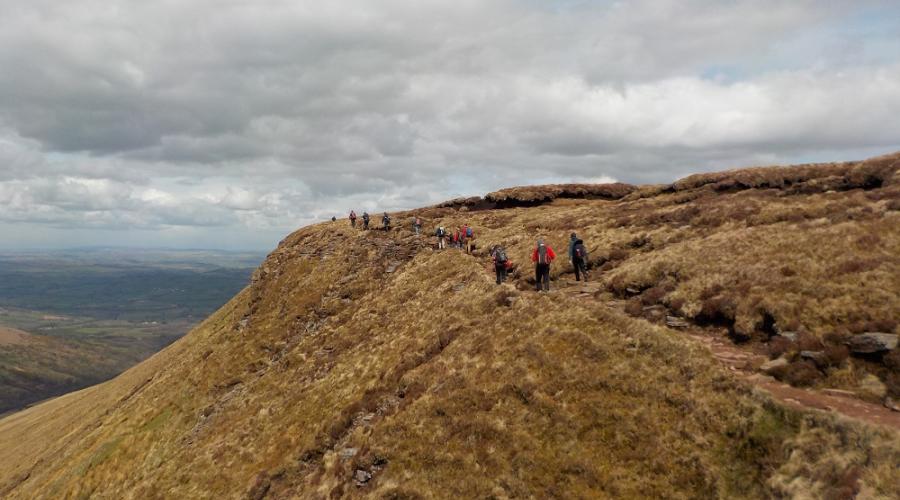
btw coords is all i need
(676, 322)
(632, 290)
(792, 336)
(260, 487)
(349, 452)
(869, 343)
(891, 404)
(774, 365)
(391, 268)
(362, 477)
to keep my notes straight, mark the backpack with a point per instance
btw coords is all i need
(542, 254)
(469, 232)
(440, 232)
(579, 251)
(501, 256)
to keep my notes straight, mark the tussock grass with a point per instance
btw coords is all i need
(369, 352)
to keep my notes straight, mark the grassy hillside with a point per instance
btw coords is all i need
(367, 364)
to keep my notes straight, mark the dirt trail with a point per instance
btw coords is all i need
(742, 363)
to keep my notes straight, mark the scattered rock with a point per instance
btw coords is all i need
(632, 291)
(869, 343)
(792, 336)
(890, 404)
(458, 287)
(774, 365)
(676, 322)
(362, 477)
(391, 267)
(349, 452)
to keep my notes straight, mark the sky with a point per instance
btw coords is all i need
(228, 124)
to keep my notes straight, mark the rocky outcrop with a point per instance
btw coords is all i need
(773, 366)
(871, 343)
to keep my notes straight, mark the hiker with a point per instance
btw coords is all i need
(333, 219)
(469, 237)
(417, 224)
(366, 221)
(456, 241)
(441, 237)
(501, 263)
(542, 256)
(352, 218)
(386, 222)
(578, 256)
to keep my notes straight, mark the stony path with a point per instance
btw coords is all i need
(742, 362)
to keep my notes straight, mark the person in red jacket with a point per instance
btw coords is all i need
(542, 256)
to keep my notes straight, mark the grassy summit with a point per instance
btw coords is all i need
(367, 364)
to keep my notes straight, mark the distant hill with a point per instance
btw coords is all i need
(370, 364)
(92, 313)
(136, 285)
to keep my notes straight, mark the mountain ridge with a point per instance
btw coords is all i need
(368, 364)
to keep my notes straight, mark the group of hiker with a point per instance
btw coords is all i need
(385, 220)
(542, 256)
(463, 238)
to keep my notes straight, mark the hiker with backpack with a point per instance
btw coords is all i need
(501, 262)
(365, 221)
(352, 218)
(578, 256)
(469, 236)
(386, 222)
(456, 239)
(417, 224)
(441, 237)
(542, 256)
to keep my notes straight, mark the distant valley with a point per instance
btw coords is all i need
(73, 318)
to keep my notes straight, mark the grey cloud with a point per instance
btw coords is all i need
(245, 115)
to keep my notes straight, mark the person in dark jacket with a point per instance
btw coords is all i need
(365, 220)
(501, 263)
(542, 256)
(578, 257)
(386, 222)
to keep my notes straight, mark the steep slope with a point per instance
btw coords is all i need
(368, 364)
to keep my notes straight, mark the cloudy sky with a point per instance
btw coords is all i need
(229, 123)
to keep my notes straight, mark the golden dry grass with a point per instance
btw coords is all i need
(12, 336)
(370, 352)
